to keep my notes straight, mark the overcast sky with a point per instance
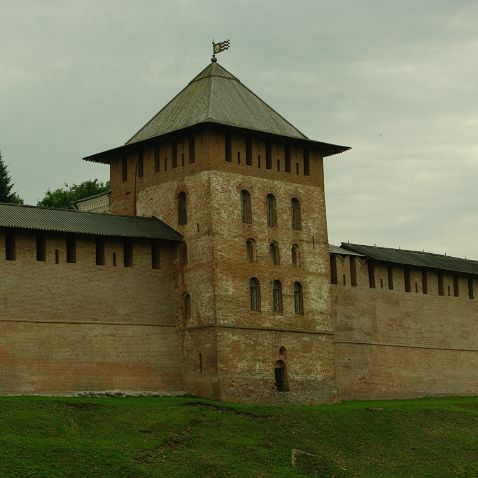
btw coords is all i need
(397, 81)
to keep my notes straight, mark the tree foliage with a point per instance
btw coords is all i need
(66, 197)
(6, 186)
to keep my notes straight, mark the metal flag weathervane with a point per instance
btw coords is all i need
(219, 47)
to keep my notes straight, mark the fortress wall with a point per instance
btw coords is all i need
(398, 344)
(72, 327)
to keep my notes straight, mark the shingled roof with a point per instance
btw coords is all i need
(215, 96)
(414, 258)
(72, 221)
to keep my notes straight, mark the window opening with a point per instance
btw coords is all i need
(246, 210)
(456, 289)
(114, 259)
(287, 158)
(127, 253)
(306, 162)
(251, 250)
(371, 275)
(70, 248)
(296, 216)
(155, 254)
(406, 278)
(274, 253)
(192, 149)
(174, 154)
(271, 211)
(353, 272)
(41, 247)
(298, 299)
(441, 290)
(228, 148)
(57, 256)
(255, 294)
(268, 156)
(277, 296)
(248, 151)
(10, 249)
(100, 251)
(471, 294)
(390, 276)
(424, 281)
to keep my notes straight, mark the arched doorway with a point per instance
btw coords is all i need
(280, 376)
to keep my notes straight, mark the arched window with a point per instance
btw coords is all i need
(296, 219)
(187, 305)
(298, 298)
(295, 255)
(277, 297)
(280, 376)
(246, 209)
(182, 211)
(251, 250)
(271, 211)
(255, 293)
(274, 253)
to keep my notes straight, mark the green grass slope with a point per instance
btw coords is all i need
(190, 437)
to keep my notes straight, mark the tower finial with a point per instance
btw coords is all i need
(219, 47)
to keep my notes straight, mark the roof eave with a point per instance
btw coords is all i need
(326, 149)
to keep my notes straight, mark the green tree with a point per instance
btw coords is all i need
(6, 186)
(66, 197)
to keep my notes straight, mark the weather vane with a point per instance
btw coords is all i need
(219, 47)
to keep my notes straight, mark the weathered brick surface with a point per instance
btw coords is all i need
(81, 327)
(392, 343)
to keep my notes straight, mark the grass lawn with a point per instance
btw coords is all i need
(190, 437)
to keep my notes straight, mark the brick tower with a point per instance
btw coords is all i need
(245, 189)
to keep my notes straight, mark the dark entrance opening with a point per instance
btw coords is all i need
(280, 376)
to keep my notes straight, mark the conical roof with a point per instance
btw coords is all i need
(216, 96)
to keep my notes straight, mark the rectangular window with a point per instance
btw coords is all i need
(371, 275)
(333, 269)
(258, 160)
(228, 148)
(100, 251)
(406, 279)
(165, 164)
(441, 290)
(127, 253)
(10, 252)
(174, 154)
(390, 276)
(278, 165)
(124, 169)
(471, 293)
(70, 248)
(140, 164)
(182, 160)
(155, 262)
(297, 171)
(306, 163)
(41, 247)
(353, 272)
(268, 155)
(249, 151)
(456, 289)
(287, 158)
(57, 256)
(424, 281)
(157, 159)
(192, 149)
(238, 157)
